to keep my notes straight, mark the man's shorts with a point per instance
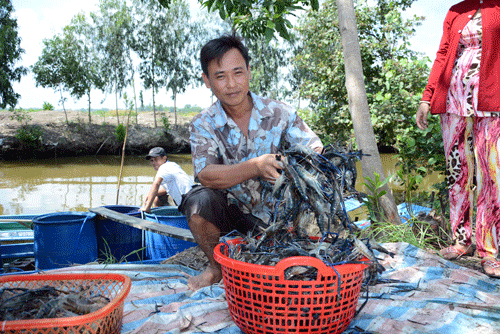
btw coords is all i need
(212, 205)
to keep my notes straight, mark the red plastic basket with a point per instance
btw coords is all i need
(105, 320)
(261, 300)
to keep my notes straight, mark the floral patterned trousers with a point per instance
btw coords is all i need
(472, 147)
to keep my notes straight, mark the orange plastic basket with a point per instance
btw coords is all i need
(261, 300)
(105, 320)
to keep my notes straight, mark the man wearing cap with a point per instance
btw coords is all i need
(170, 180)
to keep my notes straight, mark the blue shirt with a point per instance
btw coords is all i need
(217, 139)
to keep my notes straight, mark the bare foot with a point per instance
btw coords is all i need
(456, 251)
(208, 277)
(491, 267)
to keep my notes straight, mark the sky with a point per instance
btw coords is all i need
(42, 19)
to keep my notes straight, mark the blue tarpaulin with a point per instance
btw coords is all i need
(419, 292)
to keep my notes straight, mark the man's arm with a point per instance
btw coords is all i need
(225, 176)
(153, 192)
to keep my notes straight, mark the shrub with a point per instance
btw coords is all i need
(47, 106)
(166, 123)
(30, 135)
(120, 133)
(21, 116)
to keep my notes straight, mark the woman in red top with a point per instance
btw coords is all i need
(464, 88)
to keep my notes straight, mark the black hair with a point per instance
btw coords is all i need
(217, 48)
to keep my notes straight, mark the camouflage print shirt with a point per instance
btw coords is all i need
(216, 139)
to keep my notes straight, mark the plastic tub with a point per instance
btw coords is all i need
(64, 238)
(160, 246)
(119, 241)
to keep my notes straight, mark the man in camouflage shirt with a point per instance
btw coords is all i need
(235, 144)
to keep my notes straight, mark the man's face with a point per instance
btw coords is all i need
(229, 79)
(156, 162)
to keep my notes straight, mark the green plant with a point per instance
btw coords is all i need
(166, 123)
(30, 135)
(372, 200)
(120, 133)
(421, 234)
(21, 116)
(420, 152)
(109, 258)
(47, 106)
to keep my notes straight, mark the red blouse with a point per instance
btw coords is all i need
(489, 77)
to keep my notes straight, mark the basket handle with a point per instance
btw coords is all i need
(303, 261)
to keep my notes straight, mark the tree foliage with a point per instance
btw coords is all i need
(257, 18)
(182, 37)
(167, 41)
(86, 74)
(395, 76)
(149, 18)
(113, 24)
(68, 61)
(268, 62)
(10, 53)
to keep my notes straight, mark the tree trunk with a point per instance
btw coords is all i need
(135, 101)
(116, 107)
(62, 102)
(175, 108)
(358, 105)
(154, 82)
(88, 95)
(154, 106)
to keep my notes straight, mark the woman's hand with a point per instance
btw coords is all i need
(422, 112)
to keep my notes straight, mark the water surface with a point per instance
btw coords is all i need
(77, 184)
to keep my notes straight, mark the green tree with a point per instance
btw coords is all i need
(168, 40)
(268, 63)
(68, 62)
(182, 37)
(10, 53)
(149, 19)
(394, 74)
(114, 31)
(255, 18)
(51, 67)
(85, 76)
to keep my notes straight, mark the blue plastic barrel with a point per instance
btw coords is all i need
(160, 246)
(64, 238)
(118, 241)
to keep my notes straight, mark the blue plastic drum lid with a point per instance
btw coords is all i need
(160, 246)
(64, 238)
(122, 242)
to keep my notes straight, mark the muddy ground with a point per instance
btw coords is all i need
(71, 134)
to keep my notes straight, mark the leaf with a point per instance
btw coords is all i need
(222, 13)
(315, 4)
(269, 33)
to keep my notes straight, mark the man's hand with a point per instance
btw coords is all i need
(269, 166)
(143, 209)
(216, 176)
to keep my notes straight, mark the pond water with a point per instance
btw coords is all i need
(77, 184)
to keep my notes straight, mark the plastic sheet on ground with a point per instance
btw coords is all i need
(406, 211)
(427, 295)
